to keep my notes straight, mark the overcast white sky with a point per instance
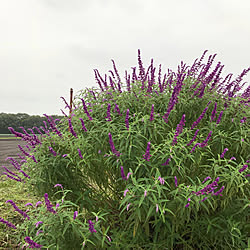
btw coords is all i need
(50, 46)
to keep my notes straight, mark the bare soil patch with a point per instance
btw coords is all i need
(9, 148)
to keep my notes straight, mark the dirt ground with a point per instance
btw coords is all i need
(9, 148)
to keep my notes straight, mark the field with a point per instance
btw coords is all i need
(9, 148)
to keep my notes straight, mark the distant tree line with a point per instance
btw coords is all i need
(22, 120)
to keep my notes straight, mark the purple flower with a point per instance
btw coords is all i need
(197, 144)
(125, 192)
(79, 152)
(187, 205)
(17, 209)
(108, 113)
(147, 156)
(38, 203)
(232, 158)
(243, 169)
(218, 192)
(179, 129)
(48, 204)
(65, 155)
(91, 227)
(128, 206)
(200, 117)
(58, 205)
(32, 243)
(38, 223)
(9, 224)
(123, 174)
(38, 232)
(203, 199)
(223, 153)
(175, 180)
(204, 143)
(25, 175)
(207, 178)
(162, 181)
(126, 119)
(129, 173)
(75, 215)
(52, 151)
(193, 139)
(28, 204)
(86, 110)
(167, 162)
(99, 151)
(117, 109)
(244, 119)
(157, 208)
(72, 129)
(145, 193)
(117, 153)
(152, 113)
(214, 112)
(83, 125)
(219, 118)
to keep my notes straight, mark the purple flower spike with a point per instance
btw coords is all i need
(162, 181)
(152, 113)
(59, 185)
(83, 125)
(28, 204)
(207, 178)
(108, 113)
(117, 153)
(9, 224)
(214, 112)
(52, 151)
(79, 152)
(123, 174)
(219, 118)
(147, 155)
(244, 168)
(38, 232)
(157, 208)
(167, 162)
(200, 117)
(125, 192)
(38, 223)
(175, 180)
(145, 193)
(31, 243)
(223, 153)
(126, 119)
(197, 144)
(72, 129)
(75, 215)
(193, 139)
(128, 206)
(17, 209)
(129, 173)
(91, 227)
(179, 129)
(204, 143)
(38, 203)
(48, 204)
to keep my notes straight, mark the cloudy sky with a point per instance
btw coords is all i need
(50, 46)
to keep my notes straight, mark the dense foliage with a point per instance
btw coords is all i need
(149, 164)
(21, 120)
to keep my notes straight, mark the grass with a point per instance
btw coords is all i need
(18, 192)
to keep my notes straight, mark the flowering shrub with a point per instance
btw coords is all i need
(162, 163)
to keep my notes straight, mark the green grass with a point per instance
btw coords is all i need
(20, 195)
